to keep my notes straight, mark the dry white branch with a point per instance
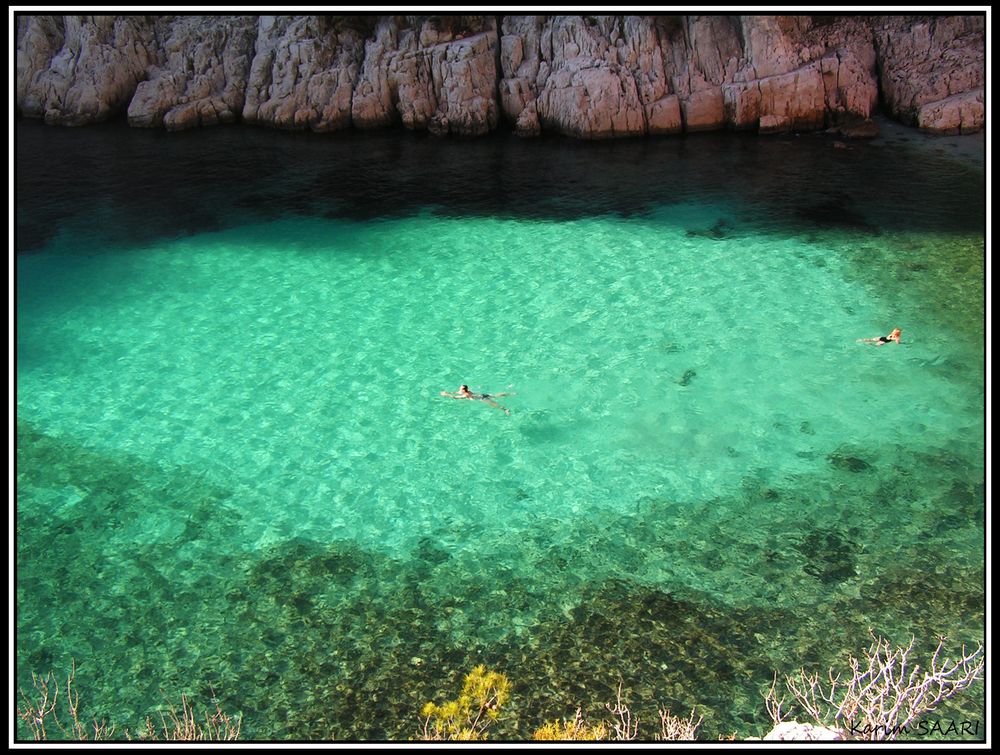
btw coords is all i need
(677, 729)
(884, 691)
(625, 728)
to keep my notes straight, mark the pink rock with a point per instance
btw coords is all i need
(588, 76)
(703, 111)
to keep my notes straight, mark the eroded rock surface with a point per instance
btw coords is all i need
(585, 76)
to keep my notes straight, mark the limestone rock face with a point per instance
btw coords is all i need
(704, 110)
(596, 76)
(303, 72)
(585, 76)
(590, 99)
(959, 114)
(931, 71)
(772, 44)
(73, 70)
(200, 77)
(588, 76)
(435, 74)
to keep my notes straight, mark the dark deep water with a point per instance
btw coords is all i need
(196, 181)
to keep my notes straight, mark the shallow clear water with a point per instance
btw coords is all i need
(237, 478)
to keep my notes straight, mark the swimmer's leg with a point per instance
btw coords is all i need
(494, 403)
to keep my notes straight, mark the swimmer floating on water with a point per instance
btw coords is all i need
(892, 337)
(464, 392)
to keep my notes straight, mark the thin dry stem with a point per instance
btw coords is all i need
(677, 729)
(884, 691)
(625, 728)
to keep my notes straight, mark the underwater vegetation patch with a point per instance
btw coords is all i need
(690, 605)
(828, 555)
(848, 462)
(687, 377)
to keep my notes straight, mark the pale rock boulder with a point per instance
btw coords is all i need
(959, 114)
(700, 52)
(528, 57)
(701, 55)
(836, 83)
(925, 60)
(591, 99)
(435, 73)
(810, 97)
(850, 89)
(704, 110)
(411, 78)
(664, 116)
(774, 124)
(635, 46)
(797, 96)
(374, 97)
(201, 77)
(580, 89)
(844, 48)
(39, 39)
(527, 123)
(587, 76)
(520, 61)
(463, 75)
(741, 104)
(772, 44)
(303, 72)
(80, 69)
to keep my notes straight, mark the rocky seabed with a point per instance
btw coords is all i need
(584, 76)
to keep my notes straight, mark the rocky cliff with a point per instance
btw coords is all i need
(585, 76)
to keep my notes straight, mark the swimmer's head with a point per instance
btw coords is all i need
(896, 333)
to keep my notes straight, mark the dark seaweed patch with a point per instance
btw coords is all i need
(687, 377)
(848, 463)
(829, 556)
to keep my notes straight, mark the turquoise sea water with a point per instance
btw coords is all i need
(237, 478)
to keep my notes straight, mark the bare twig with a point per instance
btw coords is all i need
(625, 728)
(34, 712)
(676, 729)
(41, 708)
(883, 693)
